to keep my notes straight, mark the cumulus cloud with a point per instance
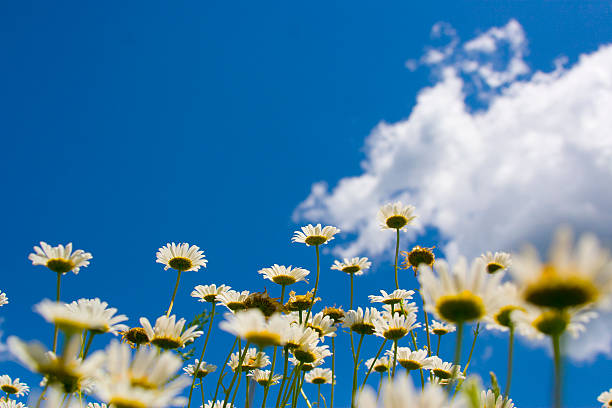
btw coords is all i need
(537, 155)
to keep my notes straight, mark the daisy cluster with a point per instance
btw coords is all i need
(281, 343)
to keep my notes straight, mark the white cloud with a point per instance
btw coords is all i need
(538, 155)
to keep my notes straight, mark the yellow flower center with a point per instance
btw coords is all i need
(380, 368)
(443, 374)
(60, 265)
(142, 382)
(9, 389)
(551, 322)
(136, 336)
(493, 267)
(351, 269)
(439, 332)
(284, 280)
(122, 402)
(315, 239)
(396, 221)
(304, 356)
(180, 263)
(462, 307)
(319, 380)
(263, 338)
(559, 292)
(363, 328)
(410, 364)
(503, 315)
(420, 256)
(167, 343)
(395, 333)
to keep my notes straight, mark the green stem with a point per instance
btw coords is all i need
(352, 276)
(237, 372)
(178, 279)
(438, 349)
(238, 385)
(314, 295)
(557, 355)
(267, 387)
(356, 363)
(373, 363)
(394, 357)
(319, 395)
(298, 387)
(396, 255)
(57, 292)
(457, 358)
(223, 369)
(91, 336)
(294, 375)
(282, 386)
(212, 316)
(510, 353)
(333, 369)
(202, 391)
(420, 369)
(246, 393)
(42, 394)
(427, 329)
(379, 384)
(476, 332)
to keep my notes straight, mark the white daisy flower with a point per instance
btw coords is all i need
(69, 371)
(506, 303)
(11, 387)
(262, 377)
(306, 367)
(401, 393)
(443, 370)
(3, 299)
(395, 216)
(489, 400)
(96, 405)
(406, 308)
(534, 323)
(496, 262)
(253, 359)
(459, 295)
(168, 333)
(101, 320)
(362, 321)
(319, 376)
(203, 370)
(572, 276)
(68, 319)
(181, 257)
(323, 325)
(411, 360)
(297, 336)
(60, 259)
(309, 353)
(217, 404)
(605, 398)
(253, 326)
(284, 275)
(395, 327)
(441, 328)
(233, 300)
(381, 365)
(397, 296)
(315, 235)
(354, 266)
(209, 293)
(9, 403)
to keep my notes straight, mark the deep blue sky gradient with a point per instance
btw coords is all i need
(127, 125)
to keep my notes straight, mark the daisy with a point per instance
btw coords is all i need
(397, 296)
(203, 370)
(381, 365)
(461, 294)
(181, 257)
(506, 303)
(404, 308)
(306, 367)
(412, 360)
(262, 377)
(572, 276)
(605, 398)
(362, 321)
(264, 302)
(335, 313)
(297, 336)
(233, 300)
(60, 259)
(441, 328)
(496, 262)
(217, 404)
(352, 266)
(135, 337)
(297, 303)
(284, 275)
(3, 299)
(395, 216)
(168, 333)
(252, 326)
(68, 319)
(489, 400)
(9, 403)
(418, 256)
(309, 353)
(534, 323)
(253, 359)
(443, 370)
(101, 319)
(209, 293)
(324, 325)
(13, 386)
(315, 235)
(96, 405)
(319, 376)
(395, 327)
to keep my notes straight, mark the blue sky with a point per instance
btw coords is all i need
(129, 125)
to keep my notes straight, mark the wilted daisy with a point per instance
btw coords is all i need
(443, 370)
(209, 293)
(401, 393)
(203, 370)
(394, 327)
(397, 296)
(233, 300)
(60, 259)
(381, 365)
(297, 303)
(284, 275)
(264, 302)
(418, 256)
(496, 262)
(262, 377)
(352, 266)
(362, 321)
(319, 376)
(58, 313)
(459, 295)
(605, 398)
(395, 215)
(315, 235)
(441, 328)
(335, 313)
(309, 353)
(135, 337)
(3, 299)
(572, 277)
(252, 326)
(253, 359)
(488, 399)
(13, 387)
(69, 370)
(168, 333)
(181, 257)
(323, 325)
(412, 360)
(101, 319)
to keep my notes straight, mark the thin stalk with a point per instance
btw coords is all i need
(223, 369)
(238, 370)
(305, 398)
(246, 394)
(212, 316)
(202, 391)
(557, 355)
(394, 357)
(510, 353)
(396, 255)
(373, 362)
(42, 394)
(352, 278)
(356, 362)
(282, 386)
(91, 336)
(57, 292)
(476, 332)
(319, 395)
(267, 386)
(314, 295)
(438, 349)
(298, 388)
(457, 358)
(333, 369)
(238, 385)
(178, 279)
(379, 384)
(289, 391)
(420, 369)
(427, 329)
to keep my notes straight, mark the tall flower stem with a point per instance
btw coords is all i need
(282, 386)
(238, 385)
(202, 391)
(558, 372)
(476, 332)
(314, 295)
(223, 368)
(351, 303)
(356, 363)
(237, 372)
(267, 387)
(438, 348)
(394, 357)
(333, 369)
(178, 279)
(246, 394)
(91, 336)
(294, 375)
(457, 358)
(195, 373)
(57, 292)
(396, 255)
(298, 388)
(319, 395)
(510, 352)
(379, 384)
(414, 343)
(373, 363)
(427, 328)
